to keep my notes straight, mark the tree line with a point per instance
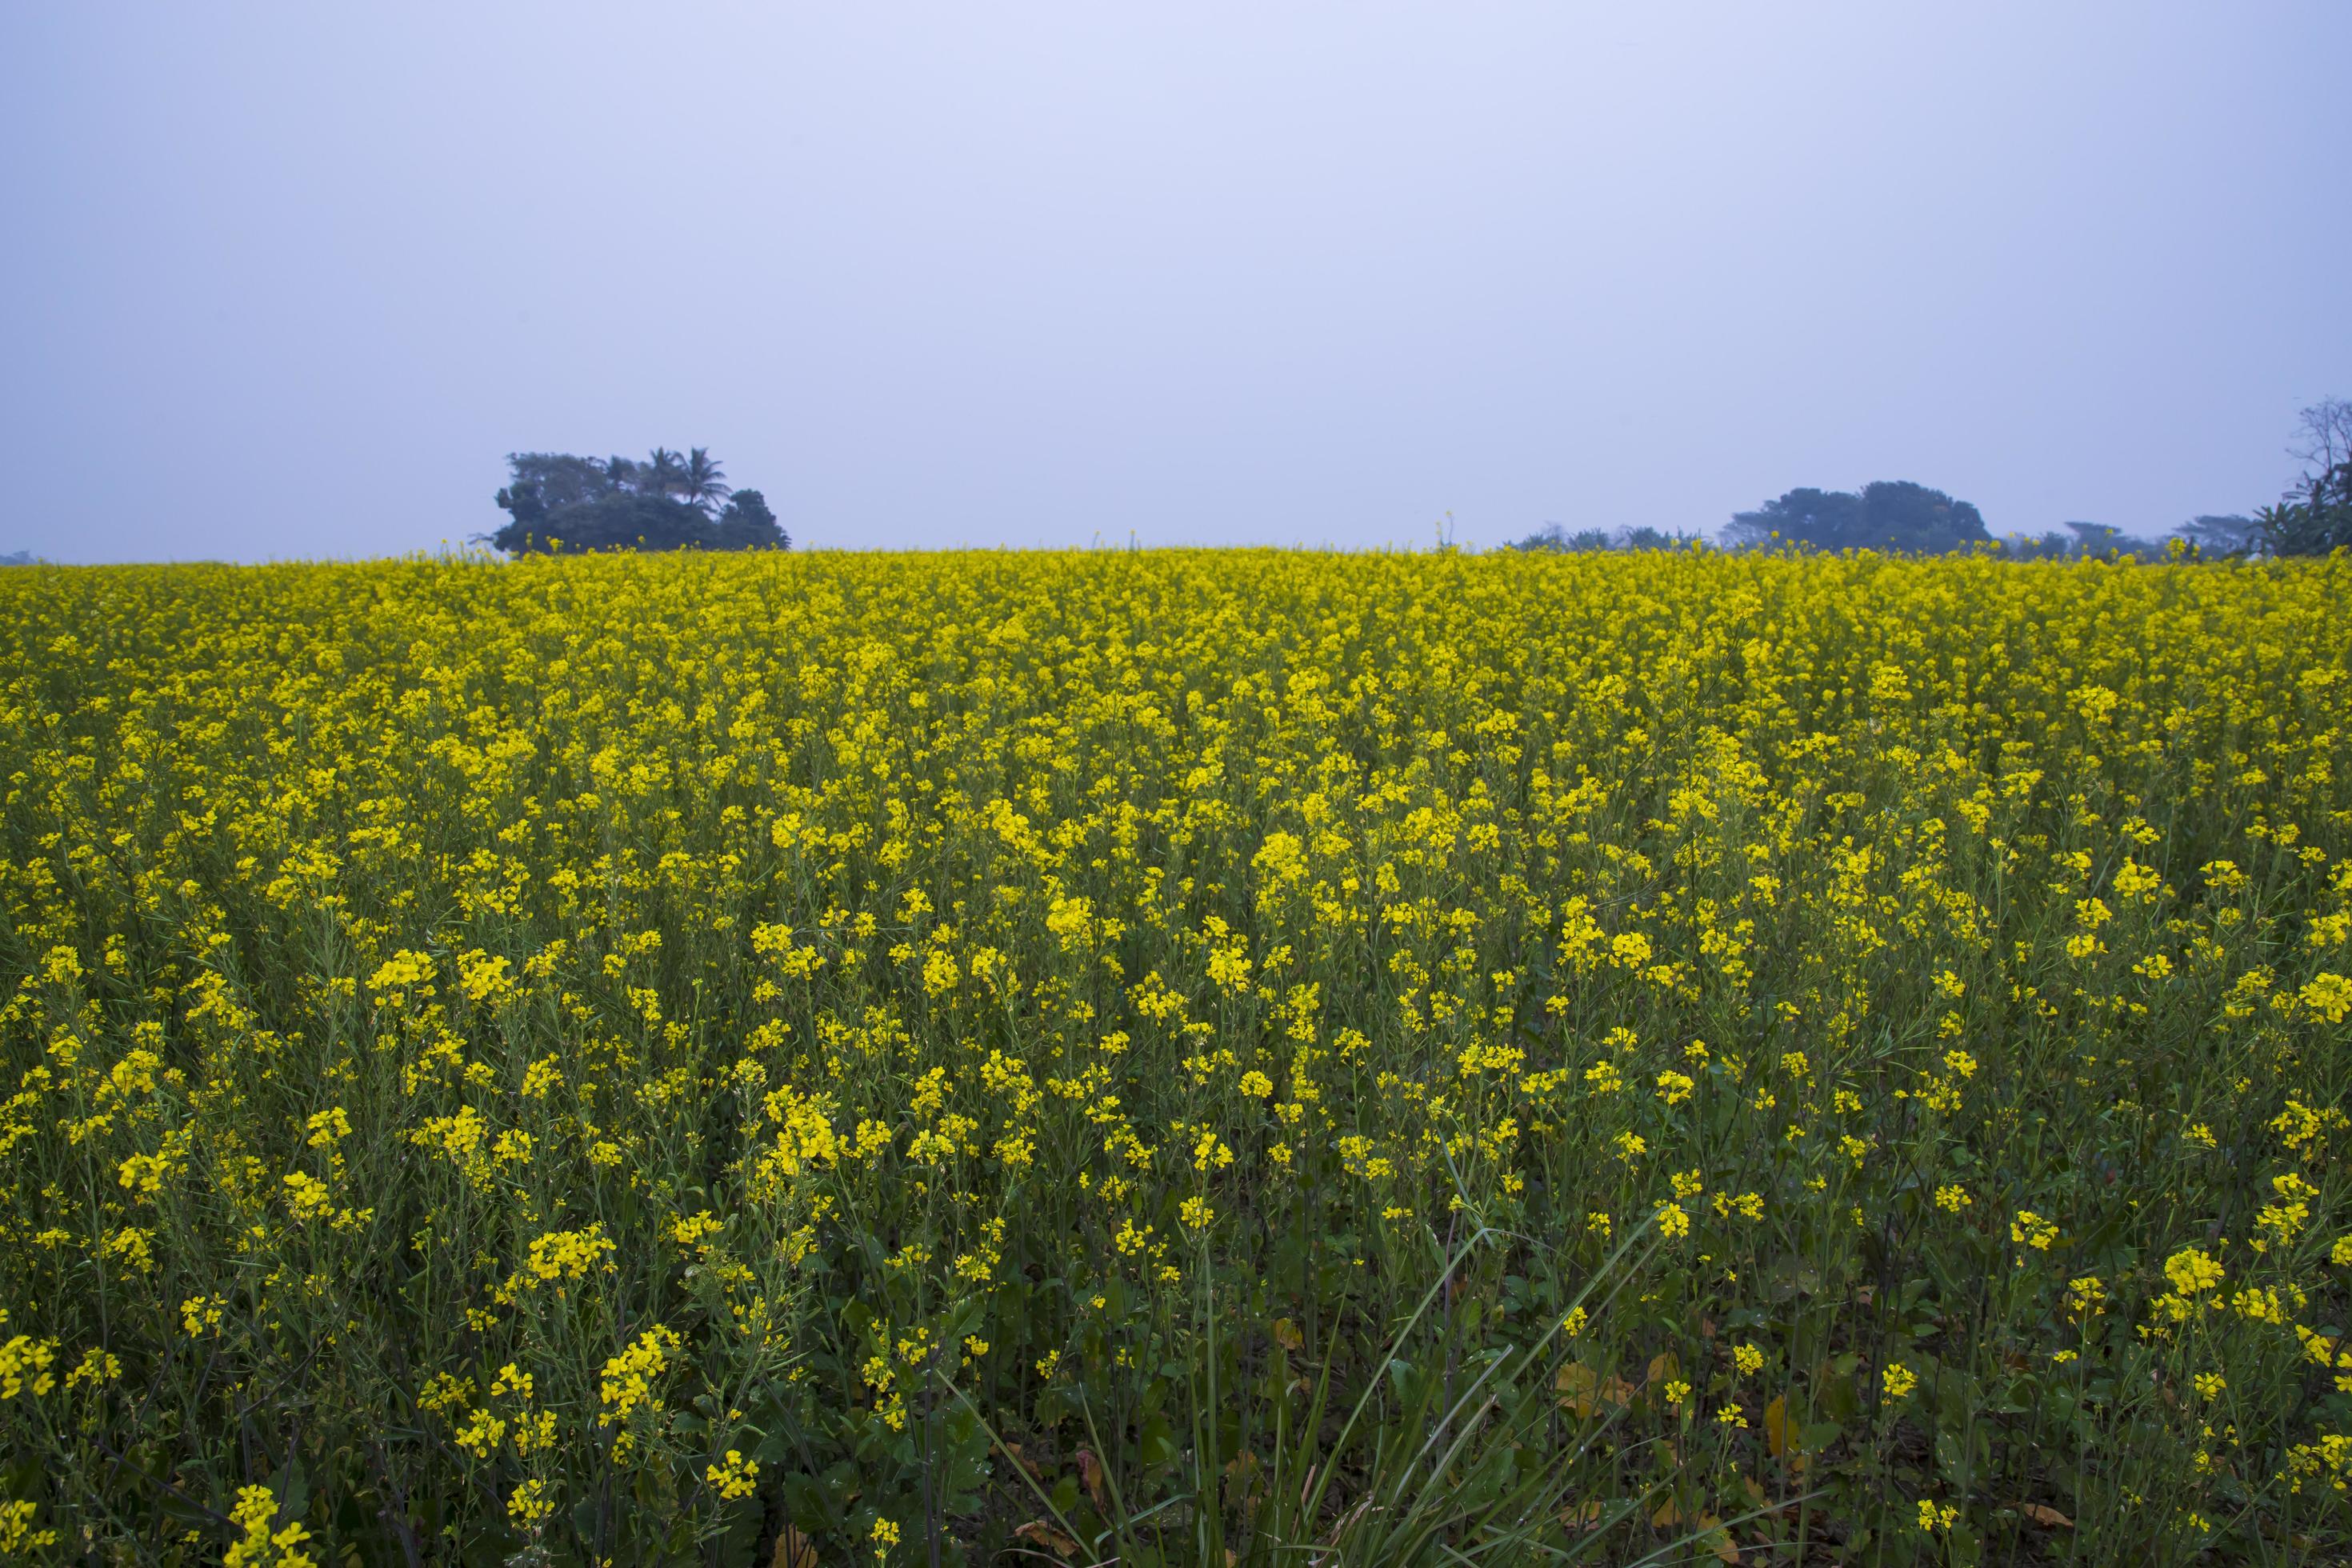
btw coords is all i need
(2313, 517)
(559, 503)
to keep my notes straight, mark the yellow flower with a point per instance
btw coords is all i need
(482, 1434)
(563, 1255)
(734, 1476)
(264, 1543)
(630, 1379)
(24, 1364)
(2191, 1271)
(18, 1536)
(529, 1505)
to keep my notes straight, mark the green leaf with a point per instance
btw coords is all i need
(1155, 1444)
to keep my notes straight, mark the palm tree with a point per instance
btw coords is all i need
(664, 473)
(706, 481)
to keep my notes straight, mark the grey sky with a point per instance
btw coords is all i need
(291, 280)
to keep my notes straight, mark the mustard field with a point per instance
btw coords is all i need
(1194, 1057)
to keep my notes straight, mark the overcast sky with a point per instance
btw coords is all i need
(290, 281)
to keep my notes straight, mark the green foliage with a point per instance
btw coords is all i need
(2315, 522)
(746, 523)
(559, 503)
(2222, 536)
(1893, 515)
(1553, 539)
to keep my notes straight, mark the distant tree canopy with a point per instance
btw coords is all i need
(2097, 541)
(556, 501)
(2312, 518)
(1888, 514)
(2230, 534)
(1554, 538)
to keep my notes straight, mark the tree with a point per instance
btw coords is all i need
(1889, 514)
(747, 524)
(623, 520)
(2104, 538)
(2314, 523)
(555, 500)
(1829, 520)
(548, 481)
(2228, 534)
(706, 481)
(2324, 436)
(2051, 546)
(1910, 517)
(2315, 515)
(1553, 539)
(664, 473)
(1644, 537)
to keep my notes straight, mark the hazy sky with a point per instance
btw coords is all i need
(291, 280)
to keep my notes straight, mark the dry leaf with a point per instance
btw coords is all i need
(1090, 1472)
(1286, 1334)
(1046, 1536)
(1664, 1368)
(794, 1550)
(1582, 1390)
(1781, 1435)
(1709, 1527)
(1574, 1384)
(1584, 1517)
(2043, 1515)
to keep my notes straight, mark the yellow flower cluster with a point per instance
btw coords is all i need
(259, 1545)
(630, 1382)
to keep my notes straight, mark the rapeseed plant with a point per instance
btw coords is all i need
(1176, 1057)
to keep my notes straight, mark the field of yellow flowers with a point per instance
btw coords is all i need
(1217, 1059)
